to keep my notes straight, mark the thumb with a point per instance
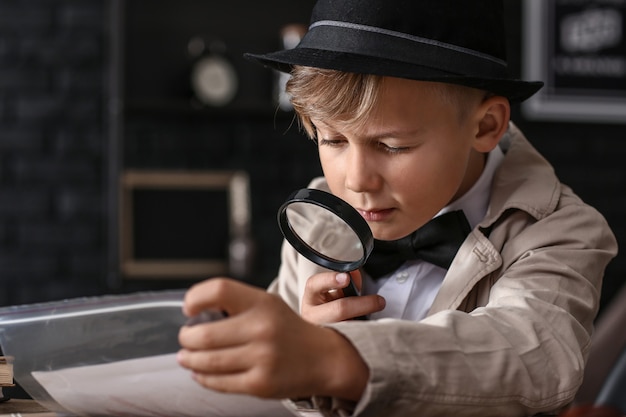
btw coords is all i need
(355, 284)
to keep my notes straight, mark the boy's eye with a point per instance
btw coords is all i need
(331, 142)
(392, 149)
(335, 143)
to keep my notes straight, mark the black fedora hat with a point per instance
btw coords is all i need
(453, 41)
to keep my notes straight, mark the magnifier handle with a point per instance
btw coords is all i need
(352, 291)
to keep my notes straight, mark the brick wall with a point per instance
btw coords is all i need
(52, 55)
(53, 142)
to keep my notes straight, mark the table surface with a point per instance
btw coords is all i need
(15, 407)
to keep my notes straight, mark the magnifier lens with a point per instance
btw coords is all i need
(326, 230)
(336, 240)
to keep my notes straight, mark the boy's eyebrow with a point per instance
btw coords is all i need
(397, 133)
(376, 136)
(332, 133)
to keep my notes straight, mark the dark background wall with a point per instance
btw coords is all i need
(56, 136)
(52, 140)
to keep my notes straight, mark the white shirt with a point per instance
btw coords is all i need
(411, 289)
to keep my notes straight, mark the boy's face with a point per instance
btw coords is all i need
(409, 160)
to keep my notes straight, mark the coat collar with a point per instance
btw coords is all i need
(514, 188)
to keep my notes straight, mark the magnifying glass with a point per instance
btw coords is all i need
(327, 231)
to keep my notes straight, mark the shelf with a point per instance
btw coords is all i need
(187, 108)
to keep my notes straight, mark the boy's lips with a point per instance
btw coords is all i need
(375, 215)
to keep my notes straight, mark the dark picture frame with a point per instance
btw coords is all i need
(578, 48)
(179, 224)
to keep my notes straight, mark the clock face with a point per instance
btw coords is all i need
(214, 80)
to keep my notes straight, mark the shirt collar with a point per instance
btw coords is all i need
(475, 201)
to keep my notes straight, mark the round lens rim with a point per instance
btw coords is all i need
(339, 208)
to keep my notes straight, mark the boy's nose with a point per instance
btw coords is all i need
(361, 174)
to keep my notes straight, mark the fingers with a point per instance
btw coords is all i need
(241, 382)
(324, 287)
(213, 335)
(298, 359)
(220, 294)
(328, 286)
(220, 361)
(235, 370)
(244, 306)
(324, 301)
(346, 308)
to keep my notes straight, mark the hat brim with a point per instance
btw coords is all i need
(515, 90)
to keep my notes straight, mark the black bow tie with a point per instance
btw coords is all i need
(436, 242)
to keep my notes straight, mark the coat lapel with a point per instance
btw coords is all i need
(476, 259)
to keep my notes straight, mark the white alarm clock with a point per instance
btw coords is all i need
(213, 77)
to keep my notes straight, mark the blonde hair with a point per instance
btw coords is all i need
(349, 98)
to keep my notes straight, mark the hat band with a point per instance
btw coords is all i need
(351, 38)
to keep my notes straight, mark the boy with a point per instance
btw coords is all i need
(409, 104)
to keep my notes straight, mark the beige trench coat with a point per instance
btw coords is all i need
(509, 331)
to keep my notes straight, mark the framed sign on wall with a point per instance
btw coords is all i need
(578, 48)
(181, 224)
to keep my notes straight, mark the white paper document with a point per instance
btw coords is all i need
(155, 386)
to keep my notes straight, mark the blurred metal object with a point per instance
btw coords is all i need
(290, 37)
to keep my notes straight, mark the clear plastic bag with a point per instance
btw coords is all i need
(88, 331)
(115, 356)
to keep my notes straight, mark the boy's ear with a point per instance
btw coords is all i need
(493, 116)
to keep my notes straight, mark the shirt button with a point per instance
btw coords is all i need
(402, 277)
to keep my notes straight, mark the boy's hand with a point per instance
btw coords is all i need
(264, 348)
(324, 302)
